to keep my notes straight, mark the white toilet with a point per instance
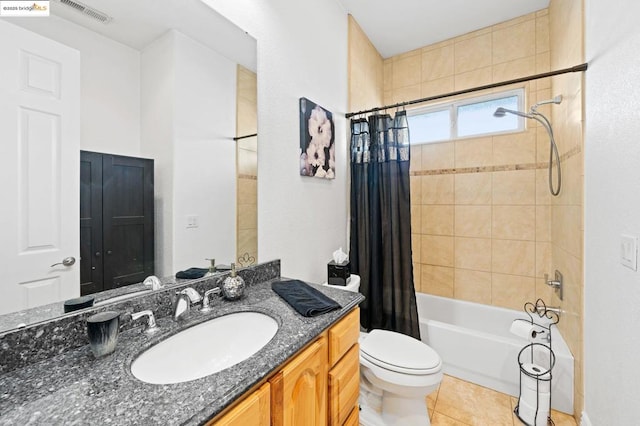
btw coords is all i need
(397, 372)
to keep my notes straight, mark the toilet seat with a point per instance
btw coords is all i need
(399, 353)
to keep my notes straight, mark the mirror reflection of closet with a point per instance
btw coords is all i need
(116, 221)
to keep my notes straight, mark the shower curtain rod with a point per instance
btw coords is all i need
(577, 68)
(237, 138)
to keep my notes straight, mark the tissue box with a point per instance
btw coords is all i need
(338, 273)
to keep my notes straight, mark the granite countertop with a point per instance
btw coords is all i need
(74, 388)
(46, 312)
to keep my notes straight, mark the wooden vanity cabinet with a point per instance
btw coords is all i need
(253, 410)
(344, 373)
(344, 387)
(317, 387)
(299, 390)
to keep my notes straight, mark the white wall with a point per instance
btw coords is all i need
(204, 154)
(189, 104)
(110, 86)
(302, 52)
(156, 99)
(612, 207)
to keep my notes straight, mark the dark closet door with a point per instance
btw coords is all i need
(127, 220)
(91, 280)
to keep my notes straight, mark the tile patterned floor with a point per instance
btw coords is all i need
(460, 403)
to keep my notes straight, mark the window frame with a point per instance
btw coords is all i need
(453, 106)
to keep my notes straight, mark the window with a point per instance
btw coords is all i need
(466, 118)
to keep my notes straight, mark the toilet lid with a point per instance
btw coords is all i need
(400, 353)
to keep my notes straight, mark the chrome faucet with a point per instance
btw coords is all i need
(153, 282)
(206, 305)
(557, 310)
(185, 298)
(151, 327)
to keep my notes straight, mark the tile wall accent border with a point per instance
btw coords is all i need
(251, 177)
(572, 152)
(503, 168)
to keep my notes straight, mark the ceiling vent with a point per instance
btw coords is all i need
(87, 10)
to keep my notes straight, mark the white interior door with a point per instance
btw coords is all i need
(40, 154)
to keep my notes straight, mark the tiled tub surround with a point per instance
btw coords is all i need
(38, 342)
(75, 388)
(566, 21)
(481, 209)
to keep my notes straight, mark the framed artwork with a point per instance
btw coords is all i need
(317, 141)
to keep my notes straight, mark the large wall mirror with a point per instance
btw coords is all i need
(169, 81)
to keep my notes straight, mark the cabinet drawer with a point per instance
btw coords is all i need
(343, 335)
(254, 410)
(344, 387)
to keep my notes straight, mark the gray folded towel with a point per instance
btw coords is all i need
(305, 299)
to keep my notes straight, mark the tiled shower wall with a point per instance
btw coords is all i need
(365, 70)
(481, 210)
(567, 226)
(247, 166)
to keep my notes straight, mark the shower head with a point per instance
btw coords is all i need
(555, 100)
(540, 118)
(501, 112)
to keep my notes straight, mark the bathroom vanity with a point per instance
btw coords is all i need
(309, 366)
(317, 386)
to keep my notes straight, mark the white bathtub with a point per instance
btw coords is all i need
(475, 345)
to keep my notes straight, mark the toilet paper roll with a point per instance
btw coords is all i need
(524, 329)
(529, 396)
(527, 413)
(539, 382)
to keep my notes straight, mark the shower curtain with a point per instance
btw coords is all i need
(380, 247)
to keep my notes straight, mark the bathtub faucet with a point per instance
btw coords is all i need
(557, 310)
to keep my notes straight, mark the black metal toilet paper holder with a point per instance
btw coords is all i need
(535, 353)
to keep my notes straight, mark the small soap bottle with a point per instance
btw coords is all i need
(233, 286)
(212, 268)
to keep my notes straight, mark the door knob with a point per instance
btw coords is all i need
(67, 261)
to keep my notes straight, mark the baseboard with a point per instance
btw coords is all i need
(584, 420)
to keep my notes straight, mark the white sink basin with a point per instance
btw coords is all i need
(205, 348)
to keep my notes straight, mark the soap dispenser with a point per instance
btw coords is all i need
(212, 268)
(233, 286)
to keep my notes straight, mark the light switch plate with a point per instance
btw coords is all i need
(629, 251)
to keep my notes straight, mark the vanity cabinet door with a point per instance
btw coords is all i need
(299, 390)
(252, 411)
(354, 418)
(344, 387)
